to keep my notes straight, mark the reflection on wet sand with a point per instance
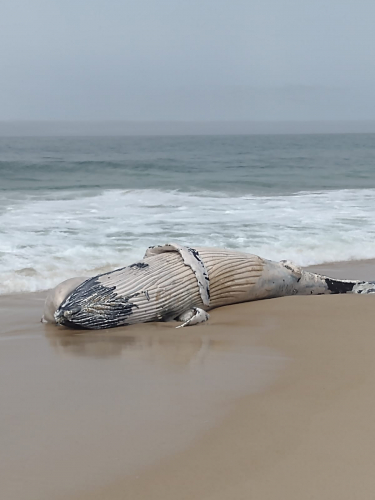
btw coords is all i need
(152, 346)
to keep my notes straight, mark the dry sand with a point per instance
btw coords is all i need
(268, 400)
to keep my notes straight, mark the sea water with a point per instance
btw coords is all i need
(82, 205)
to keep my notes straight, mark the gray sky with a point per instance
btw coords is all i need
(187, 60)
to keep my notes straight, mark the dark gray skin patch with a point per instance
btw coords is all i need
(94, 306)
(288, 267)
(336, 286)
(139, 265)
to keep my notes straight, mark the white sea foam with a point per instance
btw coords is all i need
(46, 239)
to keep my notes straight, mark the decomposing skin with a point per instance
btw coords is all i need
(174, 282)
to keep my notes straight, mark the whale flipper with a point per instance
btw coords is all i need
(192, 317)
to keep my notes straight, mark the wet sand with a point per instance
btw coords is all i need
(271, 399)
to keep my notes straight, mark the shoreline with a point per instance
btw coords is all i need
(269, 399)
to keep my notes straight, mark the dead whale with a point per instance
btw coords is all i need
(175, 282)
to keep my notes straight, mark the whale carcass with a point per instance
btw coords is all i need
(175, 282)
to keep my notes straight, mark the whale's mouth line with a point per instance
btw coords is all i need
(73, 326)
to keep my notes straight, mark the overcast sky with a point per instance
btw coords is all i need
(187, 60)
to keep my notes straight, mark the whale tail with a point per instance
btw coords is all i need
(346, 286)
(317, 284)
(308, 283)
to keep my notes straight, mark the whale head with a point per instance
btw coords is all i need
(57, 295)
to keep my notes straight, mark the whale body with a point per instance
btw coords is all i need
(175, 282)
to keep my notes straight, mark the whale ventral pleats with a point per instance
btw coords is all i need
(191, 258)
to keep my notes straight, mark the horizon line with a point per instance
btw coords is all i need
(55, 128)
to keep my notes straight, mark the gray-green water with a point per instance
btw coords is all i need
(276, 164)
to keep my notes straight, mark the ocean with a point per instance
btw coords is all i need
(74, 206)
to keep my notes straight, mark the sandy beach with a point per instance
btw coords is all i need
(268, 400)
